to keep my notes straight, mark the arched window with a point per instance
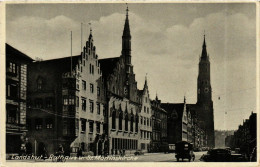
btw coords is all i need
(132, 123)
(114, 119)
(136, 123)
(126, 121)
(120, 120)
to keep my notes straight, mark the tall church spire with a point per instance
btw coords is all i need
(126, 32)
(204, 54)
(126, 44)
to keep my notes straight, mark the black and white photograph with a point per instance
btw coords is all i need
(130, 82)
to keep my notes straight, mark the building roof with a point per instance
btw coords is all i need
(64, 62)
(11, 51)
(108, 65)
(174, 107)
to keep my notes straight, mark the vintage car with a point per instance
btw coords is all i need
(184, 150)
(221, 155)
(139, 152)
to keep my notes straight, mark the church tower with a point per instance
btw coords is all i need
(126, 44)
(204, 96)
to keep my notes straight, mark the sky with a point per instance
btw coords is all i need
(166, 44)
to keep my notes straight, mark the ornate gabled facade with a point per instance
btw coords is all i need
(122, 98)
(145, 120)
(67, 103)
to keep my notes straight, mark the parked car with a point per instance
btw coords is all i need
(139, 152)
(184, 150)
(221, 155)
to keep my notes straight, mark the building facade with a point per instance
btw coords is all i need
(145, 119)
(244, 137)
(159, 141)
(67, 103)
(179, 122)
(16, 99)
(122, 98)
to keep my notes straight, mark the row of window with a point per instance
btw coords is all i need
(124, 144)
(91, 68)
(84, 87)
(40, 123)
(146, 121)
(13, 68)
(120, 122)
(39, 103)
(91, 126)
(146, 134)
(146, 109)
(91, 105)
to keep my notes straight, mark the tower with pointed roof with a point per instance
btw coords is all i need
(204, 96)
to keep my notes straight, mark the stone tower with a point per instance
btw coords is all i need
(204, 97)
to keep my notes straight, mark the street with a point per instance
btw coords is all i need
(147, 157)
(161, 157)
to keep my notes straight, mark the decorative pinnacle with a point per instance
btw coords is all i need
(127, 9)
(90, 28)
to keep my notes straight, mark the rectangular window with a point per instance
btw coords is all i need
(77, 101)
(49, 123)
(68, 100)
(144, 121)
(12, 68)
(12, 91)
(98, 108)
(91, 123)
(98, 91)
(84, 85)
(84, 104)
(144, 109)
(49, 102)
(90, 69)
(98, 127)
(38, 103)
(91, 88)
(91, 106)
(38, 124)
(147, 110)
(83, 125)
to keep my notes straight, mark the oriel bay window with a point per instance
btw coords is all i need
(68, 100)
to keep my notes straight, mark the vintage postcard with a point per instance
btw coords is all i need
(170, 82)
